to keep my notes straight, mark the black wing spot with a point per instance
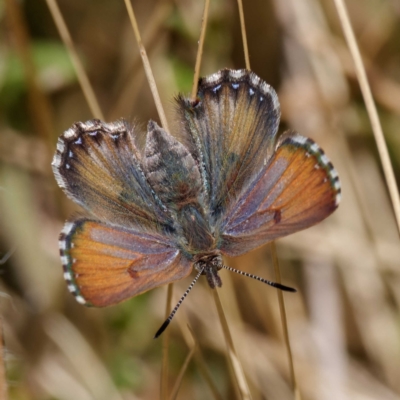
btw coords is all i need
(277, 216)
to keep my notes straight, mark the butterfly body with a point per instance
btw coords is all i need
(223, 185)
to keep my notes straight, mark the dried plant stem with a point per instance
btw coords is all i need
(178, 382)
(371, 108)
(273, 248)
(202, 366)
(40, 113)
(165, 347)
(164, 123)
(191, 341)
(128, 89)
(147, 67)
(244, 36)
(241, 386)
(200, 50)
(80, 71)
(282, 310)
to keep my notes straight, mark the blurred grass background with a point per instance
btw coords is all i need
(344, 321)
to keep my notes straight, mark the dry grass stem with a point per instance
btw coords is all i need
(237, 371)
(200, 49)
(202, 365)
(244, 35)
(165, 346)
(181, 374)
(282, 310)
(80, 71)
(371, 108)
(40, 113)
(192, 342)
(128, 87)
(164, 123)
(147, 67)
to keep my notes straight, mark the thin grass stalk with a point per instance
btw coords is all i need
(272, 246)
(165, 347)
(178, 381)
(240, 382)
(203, 366)
(244, 35)
(40, 113)
(83, 79)
(200, 50)
(128, 89)
(371, 108)
(147, 67)
(164, 123)
(191, 341)
(282, 310)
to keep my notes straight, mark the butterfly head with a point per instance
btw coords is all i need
(209, 265)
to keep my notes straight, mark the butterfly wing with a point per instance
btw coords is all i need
(104, 264)
(298, 189)
(230, 129)
(99, 167)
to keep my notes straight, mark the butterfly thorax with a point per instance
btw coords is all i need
(174, 176)
(196, 236)
(210, 264)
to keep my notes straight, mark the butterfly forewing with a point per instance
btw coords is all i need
(231, 130)
(99, 167)
(104, 264)
(298, 189)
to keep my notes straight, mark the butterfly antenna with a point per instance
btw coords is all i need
(274, 284)
(169, 319)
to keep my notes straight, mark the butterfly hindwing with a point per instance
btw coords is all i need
(99, 167)
(105, 264)
(298, 189)
(231, 130)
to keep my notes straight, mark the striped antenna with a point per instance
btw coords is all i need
(169, 319)
(274, 284)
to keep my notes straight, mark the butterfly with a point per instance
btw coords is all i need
(225, 184)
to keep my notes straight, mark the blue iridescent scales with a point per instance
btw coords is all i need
(224, 184)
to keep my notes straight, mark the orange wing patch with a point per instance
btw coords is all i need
(298, 189)
(104, 265)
